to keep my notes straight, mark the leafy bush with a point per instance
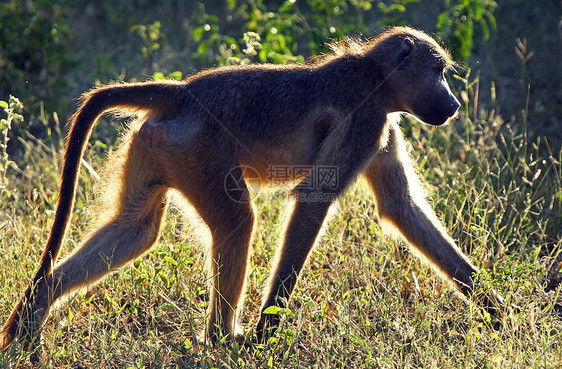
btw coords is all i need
(34, 53)
(461, 22)
(287, 32)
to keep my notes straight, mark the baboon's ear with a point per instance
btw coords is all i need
(404, 51)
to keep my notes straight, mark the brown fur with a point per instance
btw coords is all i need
(194, 136)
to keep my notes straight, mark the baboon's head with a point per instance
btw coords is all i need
(415, 67)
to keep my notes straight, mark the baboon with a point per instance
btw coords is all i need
(196, 137)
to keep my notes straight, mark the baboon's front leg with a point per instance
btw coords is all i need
(400, 201)
(301, 233)
(342, 162)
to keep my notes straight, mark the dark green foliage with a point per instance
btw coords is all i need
(464, 21)
(43, 42)
(34, 51)
(289, 30)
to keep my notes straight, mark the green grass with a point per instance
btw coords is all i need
(363, 299)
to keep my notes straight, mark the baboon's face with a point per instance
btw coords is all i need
(432, 100)
(419, 83)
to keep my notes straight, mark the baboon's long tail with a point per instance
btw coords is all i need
(152, 96)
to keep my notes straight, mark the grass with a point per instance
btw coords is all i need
(363, 299)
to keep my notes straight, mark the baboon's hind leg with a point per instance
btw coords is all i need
(218, 192)
(132, 231)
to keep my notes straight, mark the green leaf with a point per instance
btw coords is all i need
(177, 75)
(170, 260)
(203, 47)
(110, 299)
(441, 19)
(3, 104)
(491, 19)
(287, 5)
(478, 10)
(164, 278)
(188, 344)
(485, 29)
(263, 54)
(198, 33)
(230, 41)
(272, 310)
(276, 310)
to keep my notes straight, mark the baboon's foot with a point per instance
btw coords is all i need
(215, 337)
